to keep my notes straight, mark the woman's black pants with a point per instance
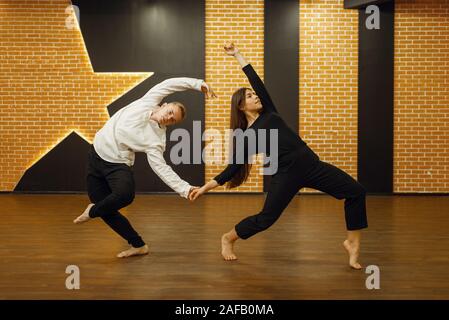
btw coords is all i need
(321, 176)
(110, 187)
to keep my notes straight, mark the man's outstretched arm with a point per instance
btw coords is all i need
(160, 91)
(165, 172)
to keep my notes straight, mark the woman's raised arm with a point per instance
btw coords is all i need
(256, 83)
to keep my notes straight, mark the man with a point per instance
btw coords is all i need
(138, 127)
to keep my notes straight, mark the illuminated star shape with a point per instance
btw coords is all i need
(48, 86)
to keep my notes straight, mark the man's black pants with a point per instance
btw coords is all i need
(110, 187)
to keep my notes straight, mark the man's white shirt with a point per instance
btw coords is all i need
(131, 130)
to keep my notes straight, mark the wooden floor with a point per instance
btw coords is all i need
(300, 257)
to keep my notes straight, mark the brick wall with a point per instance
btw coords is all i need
(240, 21)
(48, 87)
(328, 67)
(421, 100)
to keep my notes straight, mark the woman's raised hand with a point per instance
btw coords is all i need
(230, 49)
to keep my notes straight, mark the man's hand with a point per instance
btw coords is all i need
(194, 194)
(230, 49)
(207, 90)
(192, 189)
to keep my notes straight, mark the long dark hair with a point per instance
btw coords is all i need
(238, 121)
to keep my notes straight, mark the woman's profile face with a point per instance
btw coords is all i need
(252, 102)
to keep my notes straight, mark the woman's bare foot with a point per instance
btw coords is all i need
(353, 249)
(84, 217)
(227, 248)
(134, 252)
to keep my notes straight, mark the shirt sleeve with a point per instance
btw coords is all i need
(259, 88)
(239, 157)
(227, 174)
(160, 91)
(165, 172)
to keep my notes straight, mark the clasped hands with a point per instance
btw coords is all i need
(196, 192)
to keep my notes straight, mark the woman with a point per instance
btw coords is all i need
(298, 167)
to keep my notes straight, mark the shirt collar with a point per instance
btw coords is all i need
(154, 121)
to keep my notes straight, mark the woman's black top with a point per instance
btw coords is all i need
(291, 148)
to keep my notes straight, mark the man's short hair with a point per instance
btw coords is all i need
(182, 108)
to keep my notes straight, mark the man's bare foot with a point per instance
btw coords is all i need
(84, 217)
(353, 251)
(227, 248)
(134, 252)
